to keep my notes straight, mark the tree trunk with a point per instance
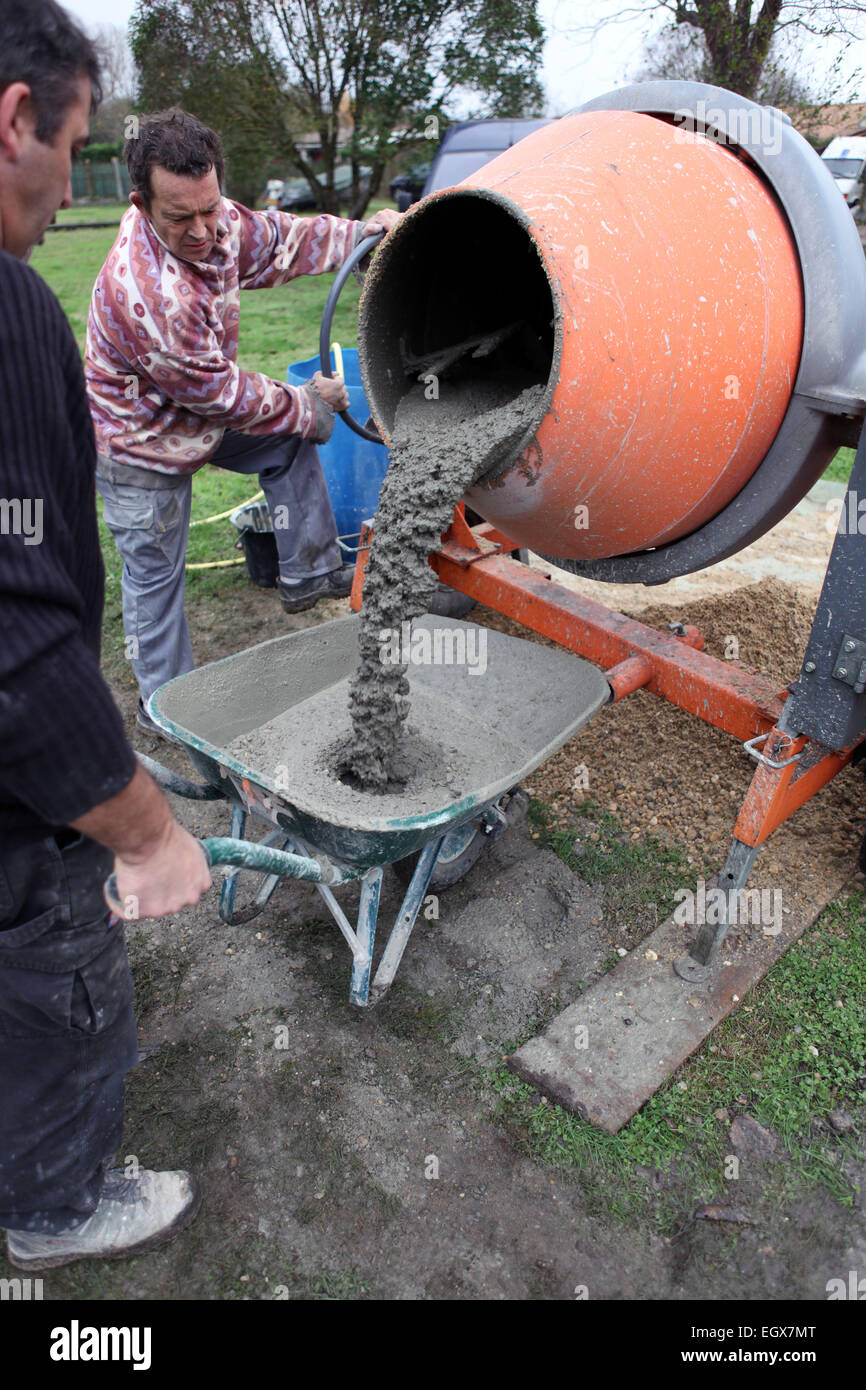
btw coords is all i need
(738, 48)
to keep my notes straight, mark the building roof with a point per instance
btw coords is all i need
(821, 123)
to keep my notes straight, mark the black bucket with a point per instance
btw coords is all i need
(259, 543)
(260, 549)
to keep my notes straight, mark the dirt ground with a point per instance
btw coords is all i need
(659, 768)
(348, 1153)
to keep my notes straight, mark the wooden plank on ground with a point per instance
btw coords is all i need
(606, 1054)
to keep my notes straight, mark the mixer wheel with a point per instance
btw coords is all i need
(450, 603)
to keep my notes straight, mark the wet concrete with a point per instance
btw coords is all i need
(446, 755)
(439, 447)
(476, 727)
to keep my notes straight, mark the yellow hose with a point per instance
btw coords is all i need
(338, 359)
(214, 564)
(219, 516)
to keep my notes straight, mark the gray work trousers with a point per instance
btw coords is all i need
(148, 514)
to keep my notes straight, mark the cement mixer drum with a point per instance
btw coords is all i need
(646, 268)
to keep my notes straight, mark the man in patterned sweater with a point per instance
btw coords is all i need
(167, 396)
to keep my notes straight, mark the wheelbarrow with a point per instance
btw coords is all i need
(495, 720)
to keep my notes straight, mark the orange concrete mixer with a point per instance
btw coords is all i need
(665, 268)
(669, 356)
(676, 267)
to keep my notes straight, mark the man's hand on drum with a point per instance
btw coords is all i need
(386, 218)
(332, 390)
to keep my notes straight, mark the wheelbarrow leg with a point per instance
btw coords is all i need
(402, 930)
(268, 882)
(368, 912)
(230, 882)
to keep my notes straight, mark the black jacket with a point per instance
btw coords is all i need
(63, 749)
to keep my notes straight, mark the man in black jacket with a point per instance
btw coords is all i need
(73, 802)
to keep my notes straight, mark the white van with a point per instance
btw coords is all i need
(845, 157)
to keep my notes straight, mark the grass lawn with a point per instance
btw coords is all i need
(840, 467)
(791, 1056)
(98, 212)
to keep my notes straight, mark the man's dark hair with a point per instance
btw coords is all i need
(176, 141)
(42, 45)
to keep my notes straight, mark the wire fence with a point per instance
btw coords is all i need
(97, 181)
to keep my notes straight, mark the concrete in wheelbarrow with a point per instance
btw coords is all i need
(606, 1054)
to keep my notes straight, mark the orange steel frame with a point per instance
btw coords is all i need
(475, 561)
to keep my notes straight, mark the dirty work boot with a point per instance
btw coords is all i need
(295, 598)
(144, 721)
(133, 1215)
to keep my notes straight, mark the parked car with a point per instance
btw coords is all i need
(407, 188)
(469, 145)
(465, 147)
(273, 190)
(343, 181)
(845, 157)
(295, 195)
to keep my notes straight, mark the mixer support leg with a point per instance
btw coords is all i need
(695, 965)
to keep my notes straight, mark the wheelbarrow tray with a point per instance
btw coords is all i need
(270, 715)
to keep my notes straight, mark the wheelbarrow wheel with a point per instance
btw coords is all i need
(465, 845)
(449, 603)
(455, 860)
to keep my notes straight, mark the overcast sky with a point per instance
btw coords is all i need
(575, 69)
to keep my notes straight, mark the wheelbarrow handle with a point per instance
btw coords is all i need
(246, 854)
(172, 781)
(340, 279)
(110, 893)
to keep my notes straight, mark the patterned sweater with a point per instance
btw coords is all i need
(162, 336)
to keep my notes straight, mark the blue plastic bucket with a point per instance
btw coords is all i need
(353, 467)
